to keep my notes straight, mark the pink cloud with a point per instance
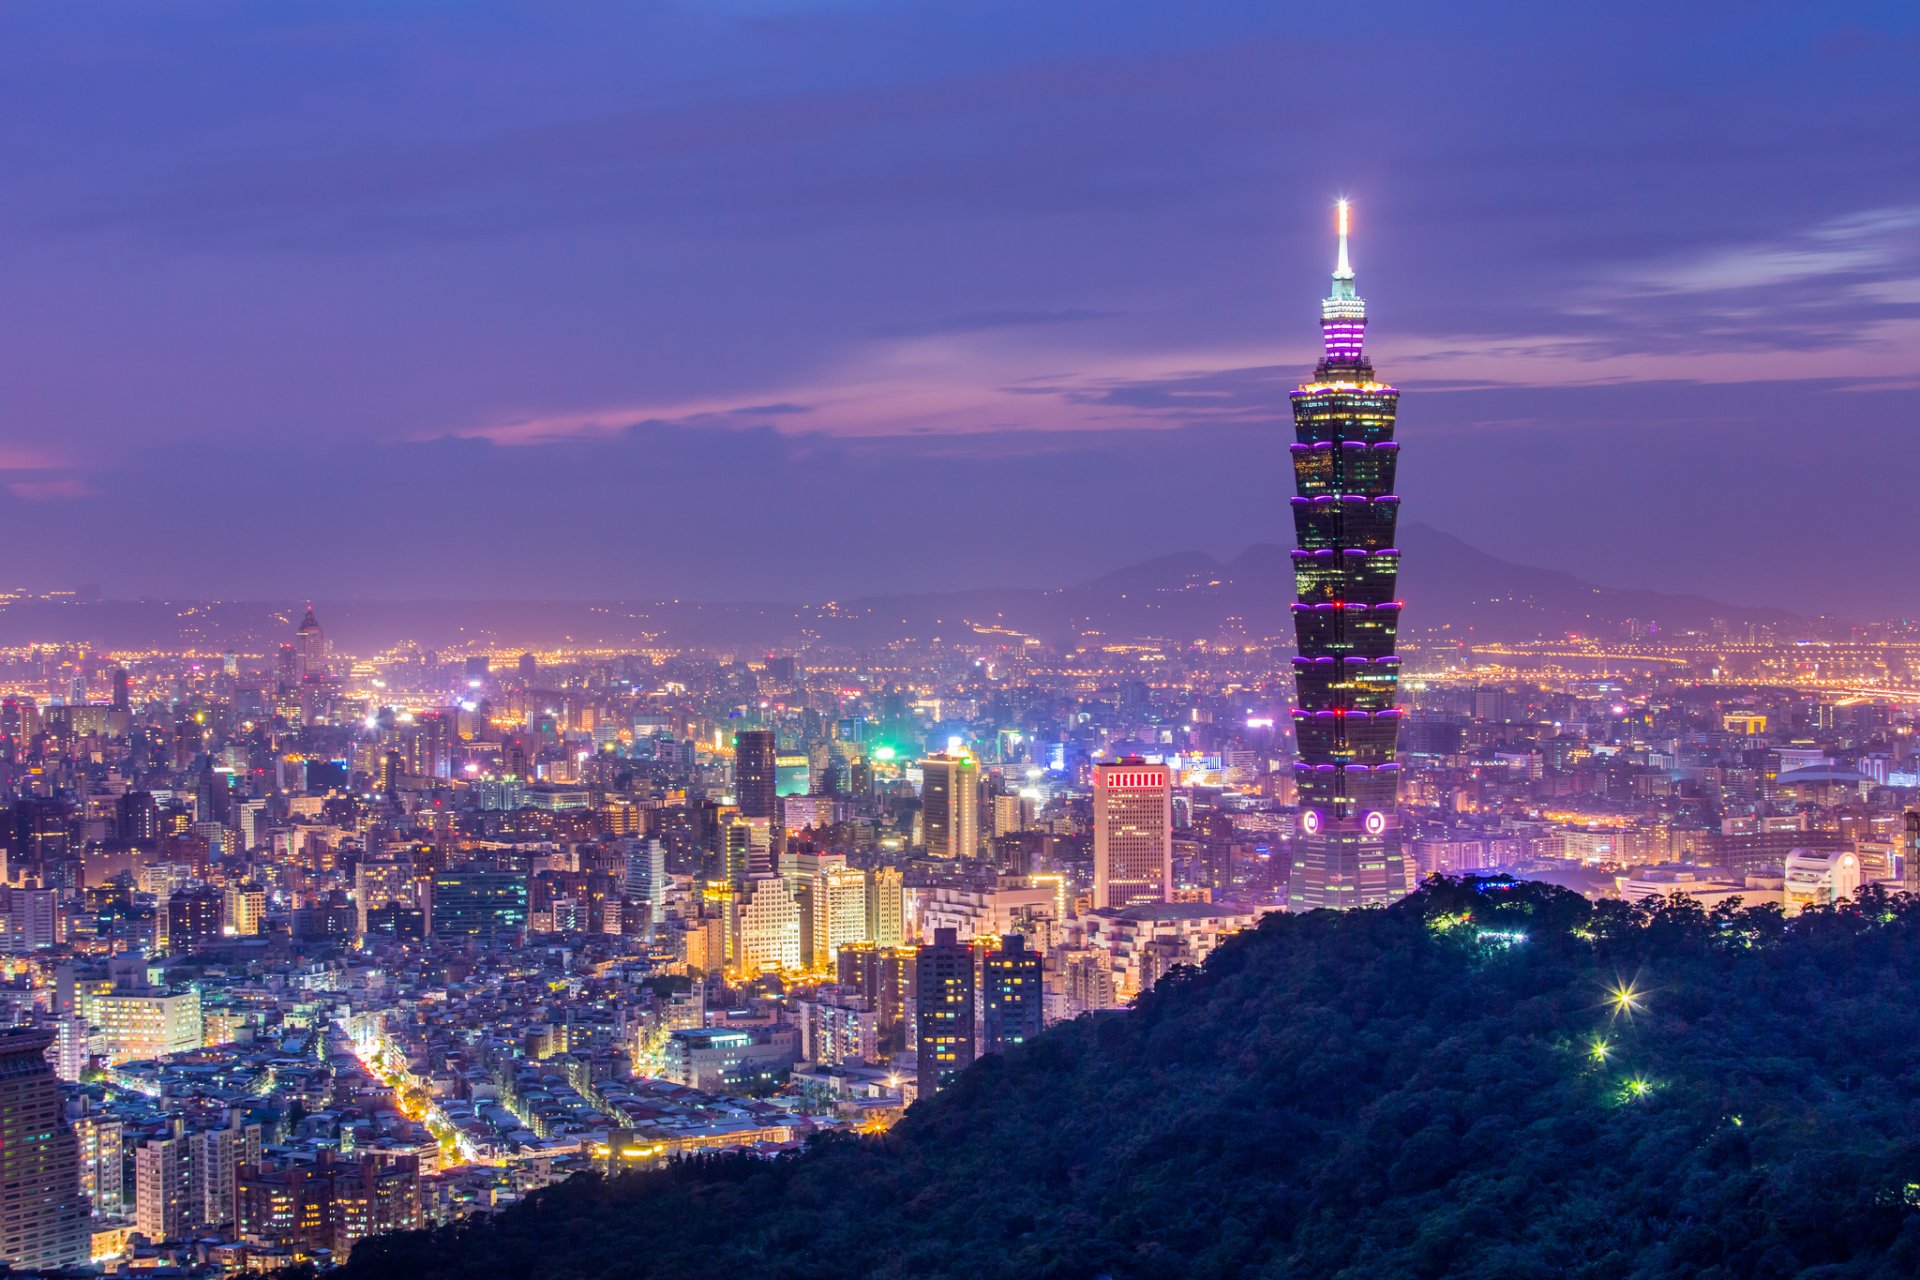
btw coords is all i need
(52, 489)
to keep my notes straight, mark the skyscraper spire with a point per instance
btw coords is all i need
(1343, 314)
(1342, 268)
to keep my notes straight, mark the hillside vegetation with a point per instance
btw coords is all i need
(1489, 1079)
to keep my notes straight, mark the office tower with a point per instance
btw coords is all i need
(1132, 833)
(139, 816)
(1011, 979)
(429, 743)
(950, 805)
(43, 832)
(381, 884)
(756, 773)
(736, 850)
(246, 909)
(646, 878)
(765, 925)
(1347, 851)
(834, 914)
(309, 648)
(1011, 813)
(194, 919)
(253, 820)
(885, 977)
(944, 994)
(887, 907)
(43, 1214)
(122, 694)
(29, 920)
(479, 905)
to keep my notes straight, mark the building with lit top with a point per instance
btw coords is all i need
(1347, 850)
(950, 804)
(1132, 833)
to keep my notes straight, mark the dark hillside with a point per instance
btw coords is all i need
(1488, 1080)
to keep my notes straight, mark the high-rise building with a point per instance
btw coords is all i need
(194, 918)
(73, 1045)
(833, 912)
(29, 920)
(215, 1156)
(103, 1178)
(756, 773)
(950, 805)
(246, 909)
(944, 991)
(43, 1214)
(765, 925)
(380, 884)
(1910, 855)
(309, 648)
(328, 1204)
(482, 905)
(1346, 726)
(886, 907)
(1132, 833)
(162, 1197)
(646, 881)
(1014, 998)
(883, 977)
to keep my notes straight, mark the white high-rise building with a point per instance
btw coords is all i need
(766, 925)
(160, 1192)
(646, 880)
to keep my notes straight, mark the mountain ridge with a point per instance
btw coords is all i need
(1182, 596)
(1449, 1087)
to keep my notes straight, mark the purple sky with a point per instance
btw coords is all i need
(792, 299)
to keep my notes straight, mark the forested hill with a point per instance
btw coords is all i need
(1487, 1080)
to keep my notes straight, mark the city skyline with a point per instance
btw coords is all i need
(814, 257)
(769, 602)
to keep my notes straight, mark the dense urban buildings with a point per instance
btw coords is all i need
(311, 945)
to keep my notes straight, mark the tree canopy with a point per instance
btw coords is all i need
(1489, 1079)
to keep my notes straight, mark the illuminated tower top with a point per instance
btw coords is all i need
(1343, 314)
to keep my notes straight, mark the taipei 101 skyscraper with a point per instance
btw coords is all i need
(1347, 848)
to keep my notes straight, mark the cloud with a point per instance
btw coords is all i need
(981, 321)
(1835, 252)
(560, 426)
(51, 489)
